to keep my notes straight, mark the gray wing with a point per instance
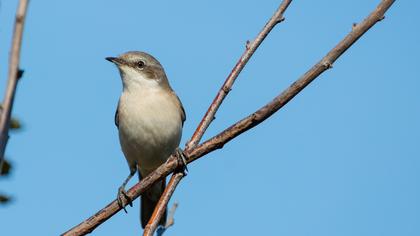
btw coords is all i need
(117, 118)
(183, 115)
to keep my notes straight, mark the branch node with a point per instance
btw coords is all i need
(354, 26)
(381, 18)
(280, 19)
(327, 64)
(254, 117)
(248, 44)
(13, 75)
(20, 73)
(20, 18)
(226, 89)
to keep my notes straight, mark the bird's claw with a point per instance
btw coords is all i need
(123, 194)
(181, 158)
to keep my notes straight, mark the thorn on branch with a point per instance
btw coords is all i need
(248, 44)
(381, 18)
(219, 145)
(254, 117)
(226, 89)
(20, 73)
(327, 64)
(280, 19)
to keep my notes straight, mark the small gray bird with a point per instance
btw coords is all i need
(149, 119)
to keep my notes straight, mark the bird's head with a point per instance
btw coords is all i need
(139, 69)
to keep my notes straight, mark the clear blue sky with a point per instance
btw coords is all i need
(342, 158)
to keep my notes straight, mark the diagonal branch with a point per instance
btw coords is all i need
(169, 221)
(14, 75)
(282, 99)
(241, 126)
(251, 47)
(162, 204)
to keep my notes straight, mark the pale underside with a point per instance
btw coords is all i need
(150, 127)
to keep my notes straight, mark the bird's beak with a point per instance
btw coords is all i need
(115, 60)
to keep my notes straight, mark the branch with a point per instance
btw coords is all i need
(282, 99)
(169, 222)
(241, 126)
(134, 192)
(162, 204)
(14, 74)
(250, 48)
(171, 216)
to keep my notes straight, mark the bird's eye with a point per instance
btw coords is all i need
(140, 64)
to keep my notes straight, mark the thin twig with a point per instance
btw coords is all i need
(171, 216)
(14, 74)
(169, 222)
(162, 204)
(250, 48)
(245, 124)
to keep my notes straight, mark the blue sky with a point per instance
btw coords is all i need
(342, 158)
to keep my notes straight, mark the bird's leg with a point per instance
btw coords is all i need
(181, 158)
(121, 190)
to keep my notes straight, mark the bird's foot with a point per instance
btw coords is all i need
(122, 196)
(181, 158)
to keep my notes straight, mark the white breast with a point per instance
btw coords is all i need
(150, 127)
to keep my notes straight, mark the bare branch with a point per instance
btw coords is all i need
(245, 124)
(169, 222)
(171, 216)
(134, 192)
(14, 75)
(162, 204)
(251, 47)
(278, 102)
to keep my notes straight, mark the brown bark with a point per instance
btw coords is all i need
(159, 211)
(13, 77)
(250, 48)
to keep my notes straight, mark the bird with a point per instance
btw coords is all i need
(149, 118)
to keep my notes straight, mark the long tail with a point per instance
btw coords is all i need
(149, 200)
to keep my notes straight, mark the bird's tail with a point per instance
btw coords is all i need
(149, 200)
